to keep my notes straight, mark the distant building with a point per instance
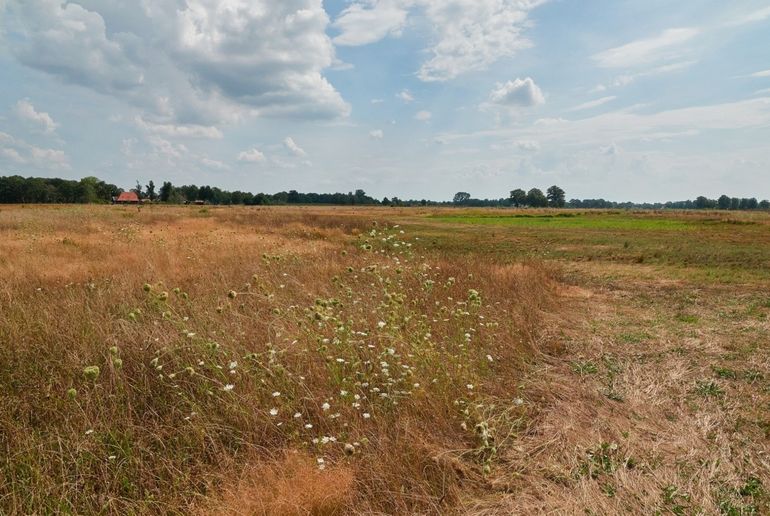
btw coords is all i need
(127, 198)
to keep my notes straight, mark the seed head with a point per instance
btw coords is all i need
(91, 372)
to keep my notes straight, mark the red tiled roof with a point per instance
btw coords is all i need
(128, 197)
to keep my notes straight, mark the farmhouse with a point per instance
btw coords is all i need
(127, 198)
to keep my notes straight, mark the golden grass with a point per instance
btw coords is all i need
(494, 382)
(224, 337)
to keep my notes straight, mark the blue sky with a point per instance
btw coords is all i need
(626, 100)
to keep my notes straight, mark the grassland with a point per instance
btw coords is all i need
(333, 361)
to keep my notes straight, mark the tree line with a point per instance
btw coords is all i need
(39, 190)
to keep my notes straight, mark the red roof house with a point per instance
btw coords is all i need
(127, 198)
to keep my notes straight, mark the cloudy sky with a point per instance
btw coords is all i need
(622, 99)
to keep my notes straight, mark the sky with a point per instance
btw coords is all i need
(643, 100)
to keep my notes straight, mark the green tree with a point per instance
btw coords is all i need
(150, 191)
(518, 197)
(536, 198)
(165, 191)
(555, 197)
(461, 197)
(723, 202)
(138, 189)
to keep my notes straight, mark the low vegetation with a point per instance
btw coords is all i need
(331, 361)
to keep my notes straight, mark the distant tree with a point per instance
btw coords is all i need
(575, 203)
(701, 202)
(764, 205)
(150, 191)
(461, 197)
(555, 197)
(292, 197)
(752, 204)
(536, 199)
(723, 202)
(385, 201)
(735, 203)
(138, 189)
(165, 191)
(518, 197)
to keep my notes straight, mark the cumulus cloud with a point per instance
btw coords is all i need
(360, 25)
(20, 152)
(26, 112)
(292, 147)
(423, 116)
(468, 35)
(376, 134)
(518, 93)
(647, 51)
(473, 34)
(251, 156)
(196, 62)
(405, 95)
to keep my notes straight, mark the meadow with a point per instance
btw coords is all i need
(293, 360)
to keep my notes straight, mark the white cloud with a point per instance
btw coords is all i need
(756, 16)
(376, 134)
(423, 116)
(518, 93)
(377, 101)
(646, 51)
(593, 103)
(763, 73)
(13, 155)
(252, 156)
(212, 163)
(470, 35)
(21, 152)
(611, 150)
(626, 79)
(528, 145)
(467, 35)
(363, 24)
(293, 147)
(183, 131)
(198, 62)
(405, 95)
(165, 150)
(27, 112)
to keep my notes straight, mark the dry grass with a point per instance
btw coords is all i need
(501, 373)
(223, 336)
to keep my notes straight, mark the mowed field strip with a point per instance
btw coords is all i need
(292, 360)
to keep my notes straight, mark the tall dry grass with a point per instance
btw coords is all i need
(250, 360)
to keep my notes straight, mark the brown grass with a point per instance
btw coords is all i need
(156, 431)
(615, 386)
(290, 486)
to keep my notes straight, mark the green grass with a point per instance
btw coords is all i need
(693, 246)
(577, 221)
